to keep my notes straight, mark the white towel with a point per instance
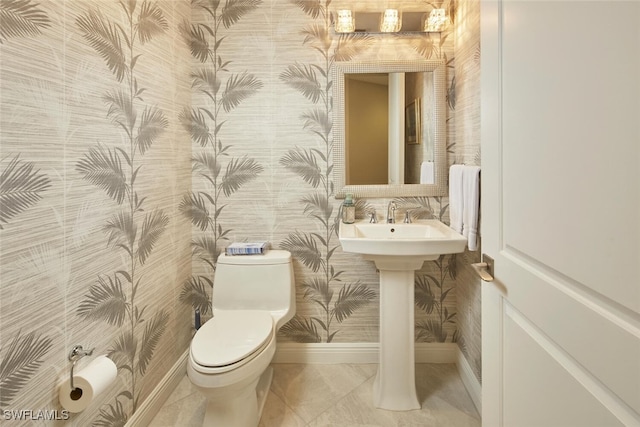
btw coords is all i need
(471, 209)
(426, 173)
(456, 200)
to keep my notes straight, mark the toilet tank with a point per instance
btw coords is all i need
(256, 282)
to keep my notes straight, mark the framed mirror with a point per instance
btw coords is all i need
(413, 151)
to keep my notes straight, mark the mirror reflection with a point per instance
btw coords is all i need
(390, 128)
(367, 128)
(367, 118)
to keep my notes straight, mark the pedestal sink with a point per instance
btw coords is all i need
(398, 250)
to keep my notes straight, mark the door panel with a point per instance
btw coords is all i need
(554, 377)
(572, 169)
(561, 212)
(592, 335)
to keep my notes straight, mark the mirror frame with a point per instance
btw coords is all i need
(439, 187)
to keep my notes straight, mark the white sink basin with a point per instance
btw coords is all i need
(425, 238)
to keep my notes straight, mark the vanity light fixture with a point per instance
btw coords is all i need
(437, 21)
(345, 23)
(390, 21)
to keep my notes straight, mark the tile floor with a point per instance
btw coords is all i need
(337, 395)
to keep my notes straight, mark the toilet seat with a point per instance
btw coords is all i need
(230, 339)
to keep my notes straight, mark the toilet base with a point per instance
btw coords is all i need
(262, 389)
(244, 409)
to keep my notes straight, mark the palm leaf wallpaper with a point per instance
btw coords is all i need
(336, 301)
(21, 187)
(21, 360)
(21, 18)
(92, 167)
(135, 229)
(140, 137)
(219, 91)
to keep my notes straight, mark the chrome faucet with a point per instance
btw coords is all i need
(391, 212)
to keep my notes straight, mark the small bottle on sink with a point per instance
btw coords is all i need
(348, 210)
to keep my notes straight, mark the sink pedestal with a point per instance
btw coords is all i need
(395, 384)
(398, 250)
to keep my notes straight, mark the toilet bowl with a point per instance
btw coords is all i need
(229, 356)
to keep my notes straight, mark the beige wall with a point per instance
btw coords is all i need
(260, 116)
(368, 132)
(70, 209)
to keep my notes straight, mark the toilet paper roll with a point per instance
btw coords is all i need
(88, 382)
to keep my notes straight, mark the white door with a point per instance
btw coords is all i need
(561, 213)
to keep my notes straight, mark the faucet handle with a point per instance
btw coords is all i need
(407, 216)
(373, 219)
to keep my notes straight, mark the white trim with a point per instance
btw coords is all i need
(312, 353)
(153, 403)
(471, 383)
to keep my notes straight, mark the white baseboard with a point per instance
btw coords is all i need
(471, 383)
(153, 403)
(357, 353)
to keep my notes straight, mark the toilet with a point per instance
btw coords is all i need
(229, 356)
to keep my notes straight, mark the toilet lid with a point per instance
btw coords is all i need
(230, 336)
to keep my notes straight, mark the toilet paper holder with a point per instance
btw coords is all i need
(77, 353)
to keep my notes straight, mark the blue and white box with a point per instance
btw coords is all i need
(250, 248)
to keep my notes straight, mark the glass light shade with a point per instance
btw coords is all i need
(344, 21)
(390, 21)
(437, 21)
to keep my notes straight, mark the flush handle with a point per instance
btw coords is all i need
(484, 269)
